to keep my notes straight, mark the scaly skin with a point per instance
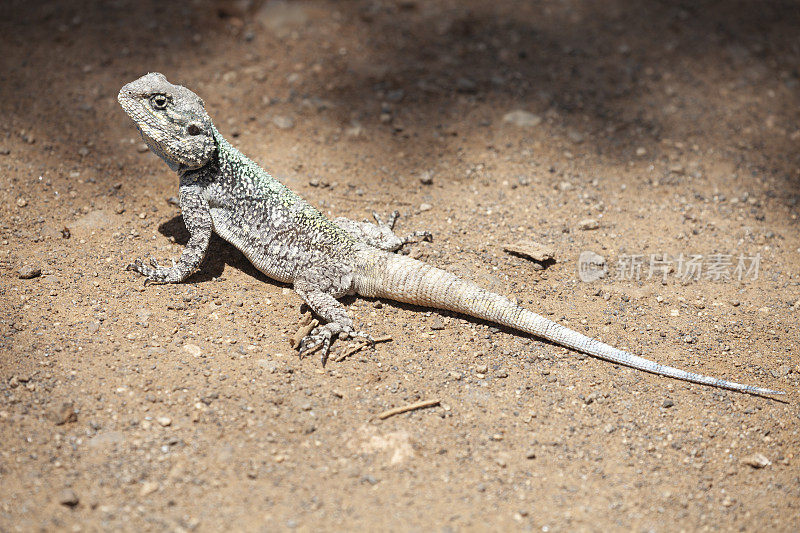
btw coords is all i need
(223, 191)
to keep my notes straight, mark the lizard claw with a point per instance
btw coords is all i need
(319, 338)
(416, 236)
(154, 274)
(390, 221)
(393, 218)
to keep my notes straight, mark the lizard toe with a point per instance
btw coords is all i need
(319, 338)
(363, 335)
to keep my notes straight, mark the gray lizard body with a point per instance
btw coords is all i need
(223, 191)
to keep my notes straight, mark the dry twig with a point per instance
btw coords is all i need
(410, 407)
(307, 323)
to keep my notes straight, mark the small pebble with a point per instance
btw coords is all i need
(22, 202)
(29, 272)
(575, 136)
(667, 403)
(283, 122)
(193, 350)
(588, 224)
(591, 398)
(395, 96)
(68, 498)
(535, 251)
(727, 502)
(781, 371)
(63, 414)
(466, 85)
(522, 119)
(164, 421)
(147, 488)
(425, 207)
(757, 460)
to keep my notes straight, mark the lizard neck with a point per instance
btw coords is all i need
(243, 170)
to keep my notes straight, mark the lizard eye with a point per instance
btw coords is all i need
(159, 101)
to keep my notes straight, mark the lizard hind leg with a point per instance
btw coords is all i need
(411, 237)
(337, 322)
(381, 234)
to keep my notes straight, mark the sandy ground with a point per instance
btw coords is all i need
(674, 126)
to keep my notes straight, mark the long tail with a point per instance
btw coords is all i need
(400, 278)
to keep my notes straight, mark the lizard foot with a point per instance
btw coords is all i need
(154, 273)
(411, 237)
(381, 234)
(393, 216)
(320, 338)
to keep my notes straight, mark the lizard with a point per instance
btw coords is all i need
(224, 192)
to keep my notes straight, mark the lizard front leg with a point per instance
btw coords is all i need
(380, 235)
(337, 322)
(197, 217)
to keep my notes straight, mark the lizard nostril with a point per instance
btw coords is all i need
(193, 130)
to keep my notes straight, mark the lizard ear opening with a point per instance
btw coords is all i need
(194, 129)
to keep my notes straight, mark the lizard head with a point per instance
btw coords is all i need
(172, 120)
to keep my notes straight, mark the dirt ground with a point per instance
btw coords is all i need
(673, 127)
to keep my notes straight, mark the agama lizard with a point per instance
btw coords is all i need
(223, 191)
